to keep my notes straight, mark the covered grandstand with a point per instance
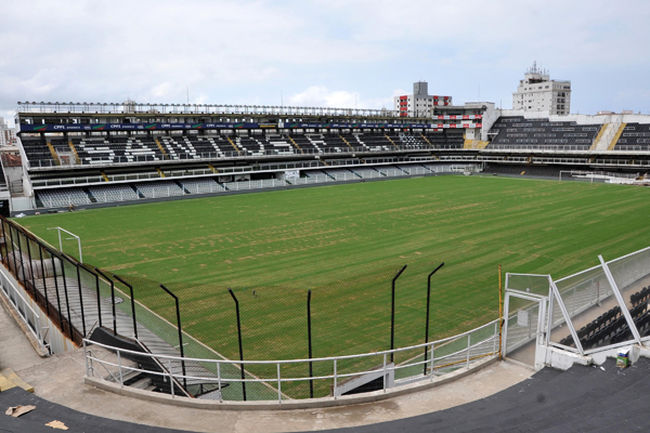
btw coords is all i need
(85, 155)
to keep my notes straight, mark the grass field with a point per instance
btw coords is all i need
(345, 243)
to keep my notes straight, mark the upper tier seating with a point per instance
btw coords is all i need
(447, 138)
(635, 136)
(37, 152)
(517, 132)
(112, 149)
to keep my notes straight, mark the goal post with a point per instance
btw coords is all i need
(61, 238)
(576, 175)
(598, 176)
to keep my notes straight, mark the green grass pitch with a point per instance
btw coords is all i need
(345, 242)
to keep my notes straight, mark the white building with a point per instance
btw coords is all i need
(7, 135)
(420, 103)
(537, 92)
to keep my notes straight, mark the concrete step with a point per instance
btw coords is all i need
(9, 379)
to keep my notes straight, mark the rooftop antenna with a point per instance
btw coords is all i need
(188, 93)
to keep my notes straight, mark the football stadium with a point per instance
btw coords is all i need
(487, 268)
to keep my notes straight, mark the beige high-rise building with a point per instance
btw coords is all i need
(537, 92)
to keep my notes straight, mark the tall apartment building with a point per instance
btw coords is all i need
(7, 135)
(420, 103)
(537, 92)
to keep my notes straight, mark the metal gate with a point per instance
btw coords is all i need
(524, 329)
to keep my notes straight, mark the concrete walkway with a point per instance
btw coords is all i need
(59, 379)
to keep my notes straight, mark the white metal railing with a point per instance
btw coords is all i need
(212, 156)
(443, 356)
(30, 316)
(584, 290)
(156, 109)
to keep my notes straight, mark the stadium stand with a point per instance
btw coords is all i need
(451, 138)
(517, 132)
(158, 189)
(81, 155)
(64, 198)
(112, 193)
(635, 136)
(201, 186)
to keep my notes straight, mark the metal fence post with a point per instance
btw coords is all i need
(13, 249)
(311, 372)
(22, 256)
(219, 380)
(119, 366)
(384, 373)
(99, 305)
(4, 256)
(171, 377)
(392, 313)
(112, 298)
(85, 349)
(81, 301)
(279, 384)
(180, 332)
(469, 343)
(335, 384)
(432, 359)
(67, 299)
(31, 270)
(241, 350)
(56, 289)
(135, 324)
(426, 328)
(47, 302)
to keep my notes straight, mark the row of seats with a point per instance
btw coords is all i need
(135, 148)
(641, 317)
(590, 329)
(115, 193)
(642, 296)
(635, 136)
(611, 326)
(514, 132)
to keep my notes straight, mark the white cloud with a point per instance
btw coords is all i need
(321, 96)
(325, 52)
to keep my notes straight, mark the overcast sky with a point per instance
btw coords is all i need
(342, 53)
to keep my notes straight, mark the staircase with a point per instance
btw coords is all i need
(293, 142)
(55, 156)
(234, 146)
(618, 134)
(604, 137)
(74, 152)
(390, 139)
(424, 137)
(346, 142)
(160, 147)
